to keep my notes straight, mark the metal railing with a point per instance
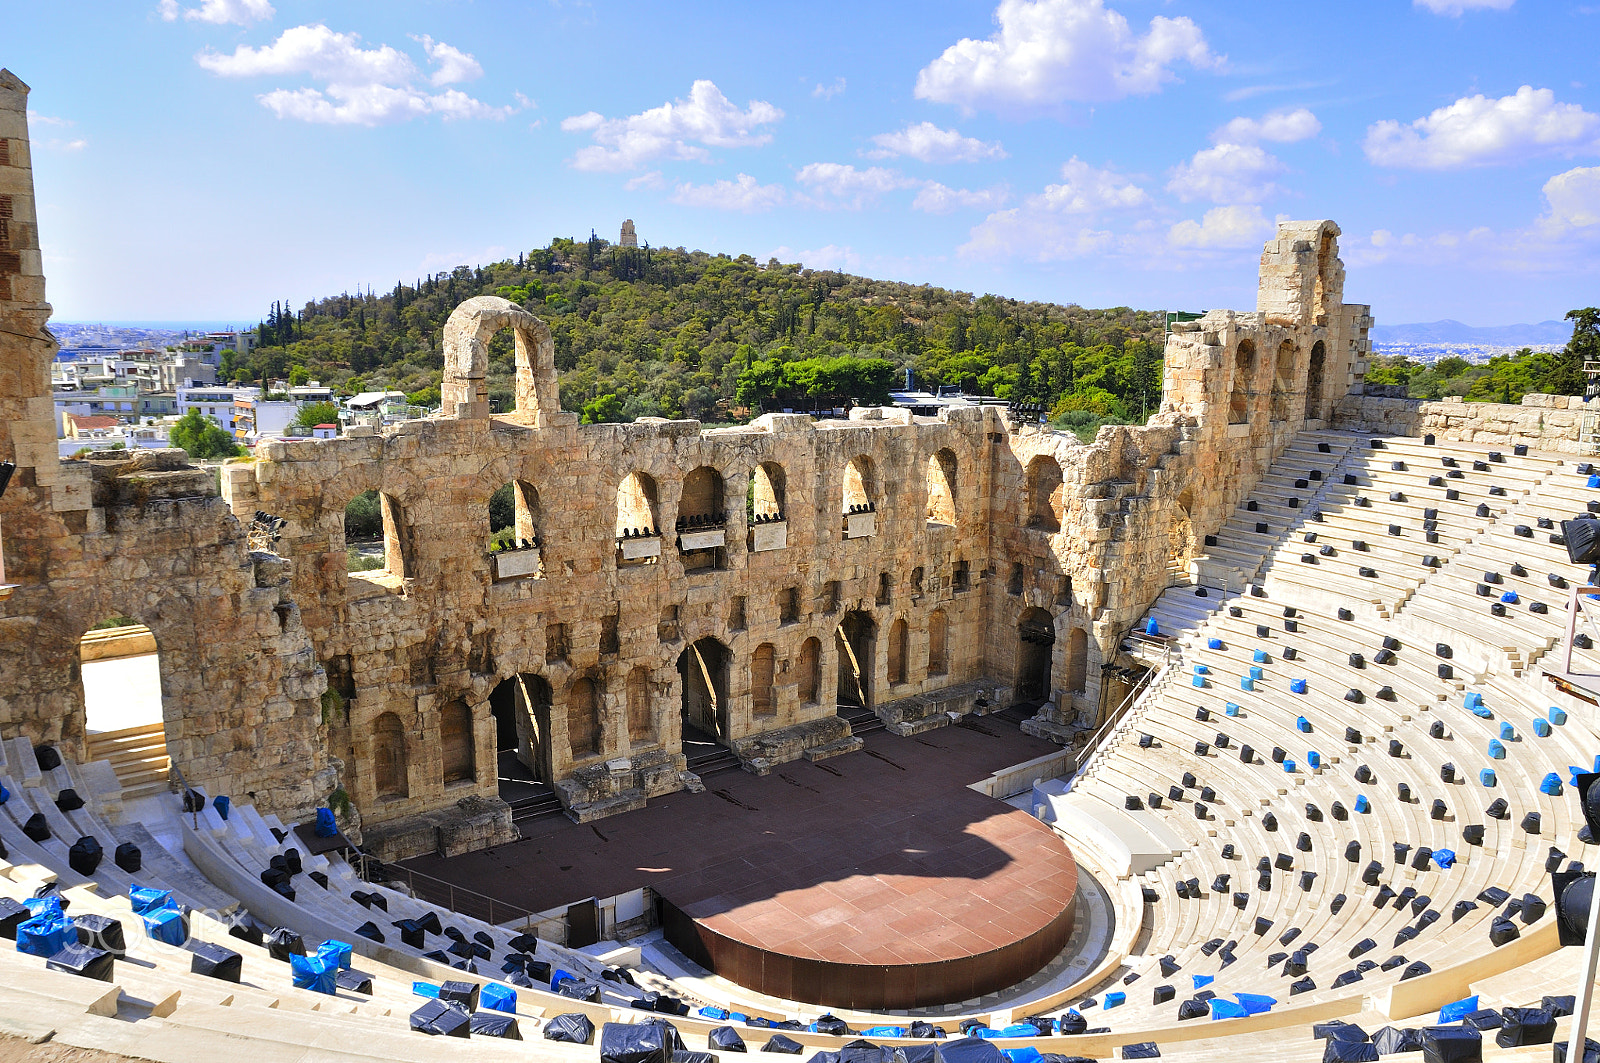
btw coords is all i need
(1102, 734)
(458, 899)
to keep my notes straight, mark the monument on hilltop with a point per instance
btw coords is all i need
(629, 238)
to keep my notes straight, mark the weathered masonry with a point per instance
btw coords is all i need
(743, 582)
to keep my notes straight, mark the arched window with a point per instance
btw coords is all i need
(768, 485)
(641, 717)
(897, 652)
(1078, 661)
(1283, 380)
(859, 488)
(763, 699)
(389, 774)
(1314, 376)
(1244, 372)
(810, 670)
(942, 487)
(702, 520)
(514, 521)
(636, 506)
(583, 719)
(377, 538)
(456, 743)
(938, 642)
(1044, 494)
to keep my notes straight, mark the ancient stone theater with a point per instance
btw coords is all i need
(1262, 714)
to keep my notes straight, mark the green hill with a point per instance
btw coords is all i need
(675, 333)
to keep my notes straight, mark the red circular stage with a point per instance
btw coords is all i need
(942, 904)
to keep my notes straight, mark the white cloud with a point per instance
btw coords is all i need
(66, 145)
(1050, 52)
(678, 129)
(364, 86)
(1458, 7)
(837, 184)
(35, 118)
(219, 12)
(651, 179)
(1574, 198)
(1086, 189)
(1222, 228)
(1282, 127)
(1059, 223)
(936, 198)
(1227, 173)
(828, 92)
(926, 142)
(454, 64)
(1479, 131)
(830, 256)
(743, 193)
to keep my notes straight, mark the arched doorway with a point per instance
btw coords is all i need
(1314, 374)
(1244, 373)
(703, 675)
(854, 642)
(124, 718)
(521, 709)
(390, 774)
(1036, 634)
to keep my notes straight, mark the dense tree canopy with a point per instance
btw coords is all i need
(202, 437)
(675, 333)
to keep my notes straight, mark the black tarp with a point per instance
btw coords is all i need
(726, 1039)
(573, 1028)
(353, 981)
(1141, 1050)
(784, 1046)
(101, 931)
(463, 995)
(628, 1042)
(1071, 1022)
(1526, 1026)
(495, 1024)
(1391, 1040)
(1451, 1044)
(580, 989)
(83, 960)
(215, 961)
(441, 1020)
(967, 1050)
(1350, 1052)
(283, 943)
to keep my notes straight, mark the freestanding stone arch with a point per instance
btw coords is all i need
(467, 333)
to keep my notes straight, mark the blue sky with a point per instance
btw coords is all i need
(202, 158)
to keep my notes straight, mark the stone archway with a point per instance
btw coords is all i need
(465, 391)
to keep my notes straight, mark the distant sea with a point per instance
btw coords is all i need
(159, 326)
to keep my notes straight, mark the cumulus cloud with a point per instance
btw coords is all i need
(1227, 173)
(926, 142)
(1574, 199)
(453, 64)
(1282, 127)
(1479, 131)
(1060, 222)
(936, 198)
(363, 86)
(678, 129)
(1459, 7)
(1050, 52)
(743, 193)
(1222, 228)
(837, 184)
(219, 12)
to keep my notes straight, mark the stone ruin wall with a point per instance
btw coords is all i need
(1544, 422)
(250, 642)
(143, 537)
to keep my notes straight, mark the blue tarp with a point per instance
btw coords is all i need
(497, 997)
(1297, 686)
(1458, 1010)
(316, 973)
(326, 827)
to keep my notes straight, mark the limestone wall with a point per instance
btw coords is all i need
(1545, 422)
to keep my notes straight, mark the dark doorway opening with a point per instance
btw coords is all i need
(854, 643)
(521, 709)
(703, 679)
(1036, 634)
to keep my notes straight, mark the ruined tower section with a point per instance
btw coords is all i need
(144, 537)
